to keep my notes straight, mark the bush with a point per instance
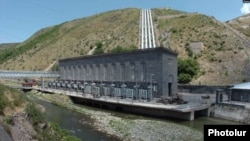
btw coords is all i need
(9, 120)
(61, 134)
(120, 49)
(3, 101)
(99, 48)
(184, 78)
(35, 114)
(187, 69)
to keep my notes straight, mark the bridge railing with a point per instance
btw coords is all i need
(20, 74)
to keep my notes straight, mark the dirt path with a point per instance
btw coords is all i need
(50, 66)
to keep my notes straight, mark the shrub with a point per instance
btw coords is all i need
(119, 49)
(187, 69)
(184, 78)
(9, 120)
(34, 113)
(3, 101)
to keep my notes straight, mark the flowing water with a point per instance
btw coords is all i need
(78, 124)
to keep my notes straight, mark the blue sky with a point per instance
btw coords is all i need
(20, 19)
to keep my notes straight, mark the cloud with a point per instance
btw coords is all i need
(245, 9)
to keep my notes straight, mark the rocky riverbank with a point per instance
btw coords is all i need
(127, 129)
(23, 120)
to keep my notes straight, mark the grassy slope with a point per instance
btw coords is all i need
(222, 62)
(224, 56)
(74, 38)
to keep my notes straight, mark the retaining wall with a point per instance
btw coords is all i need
(231, 112)
(202, 89)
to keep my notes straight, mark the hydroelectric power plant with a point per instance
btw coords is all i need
(143, 81)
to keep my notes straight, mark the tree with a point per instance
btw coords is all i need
(187, 69)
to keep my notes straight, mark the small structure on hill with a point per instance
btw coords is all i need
(196, 47)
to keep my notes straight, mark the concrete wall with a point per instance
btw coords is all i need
(202, 89)
(155, 66)
(240, 95)
(169, 80)
(233, 113)
(196, 47)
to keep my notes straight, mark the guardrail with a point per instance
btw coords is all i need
(22, 74)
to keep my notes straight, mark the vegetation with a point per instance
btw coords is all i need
(34, 114)
(119, 49)
(12, 98)
(55, 67)
(187, 69)
(99, 48)
(114, 31)
(48, 36)
(3, 100)
(58, 135)
(16, 100)
(167, 11)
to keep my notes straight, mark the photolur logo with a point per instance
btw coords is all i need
(232, 132)
(215, 132)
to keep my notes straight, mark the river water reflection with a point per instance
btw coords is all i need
(77, 123)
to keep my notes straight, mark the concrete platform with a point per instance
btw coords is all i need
(152, 108)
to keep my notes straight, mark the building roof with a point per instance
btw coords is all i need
(126, 53)
(242, 86)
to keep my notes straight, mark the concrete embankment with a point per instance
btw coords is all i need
(234, 111)
(231, 112)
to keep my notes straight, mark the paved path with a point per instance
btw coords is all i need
(4, 136)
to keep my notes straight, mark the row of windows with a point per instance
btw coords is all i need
(117, 72)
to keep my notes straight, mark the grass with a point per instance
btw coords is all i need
(49, 36)
(12, 98)
(74, 38)
(121, 126)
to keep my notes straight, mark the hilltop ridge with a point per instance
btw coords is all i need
(223, 56)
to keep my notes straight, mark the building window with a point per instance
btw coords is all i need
(91, 73)
(123, 72)
(143, 72)
(132, 72)
(113, 72)
(69, 74)
(105, 73)
(84, 73)
(97, 72)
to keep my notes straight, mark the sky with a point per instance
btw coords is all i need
(20, 19)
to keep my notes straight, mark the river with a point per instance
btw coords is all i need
(78, 124)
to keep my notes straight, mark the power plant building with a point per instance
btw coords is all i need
(141, 74)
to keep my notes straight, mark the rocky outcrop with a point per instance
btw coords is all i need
(22, 129)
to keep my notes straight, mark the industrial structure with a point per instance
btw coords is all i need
(240, 92)
(147, 30)
(141, 74)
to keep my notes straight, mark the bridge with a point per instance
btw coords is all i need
(28, 74)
